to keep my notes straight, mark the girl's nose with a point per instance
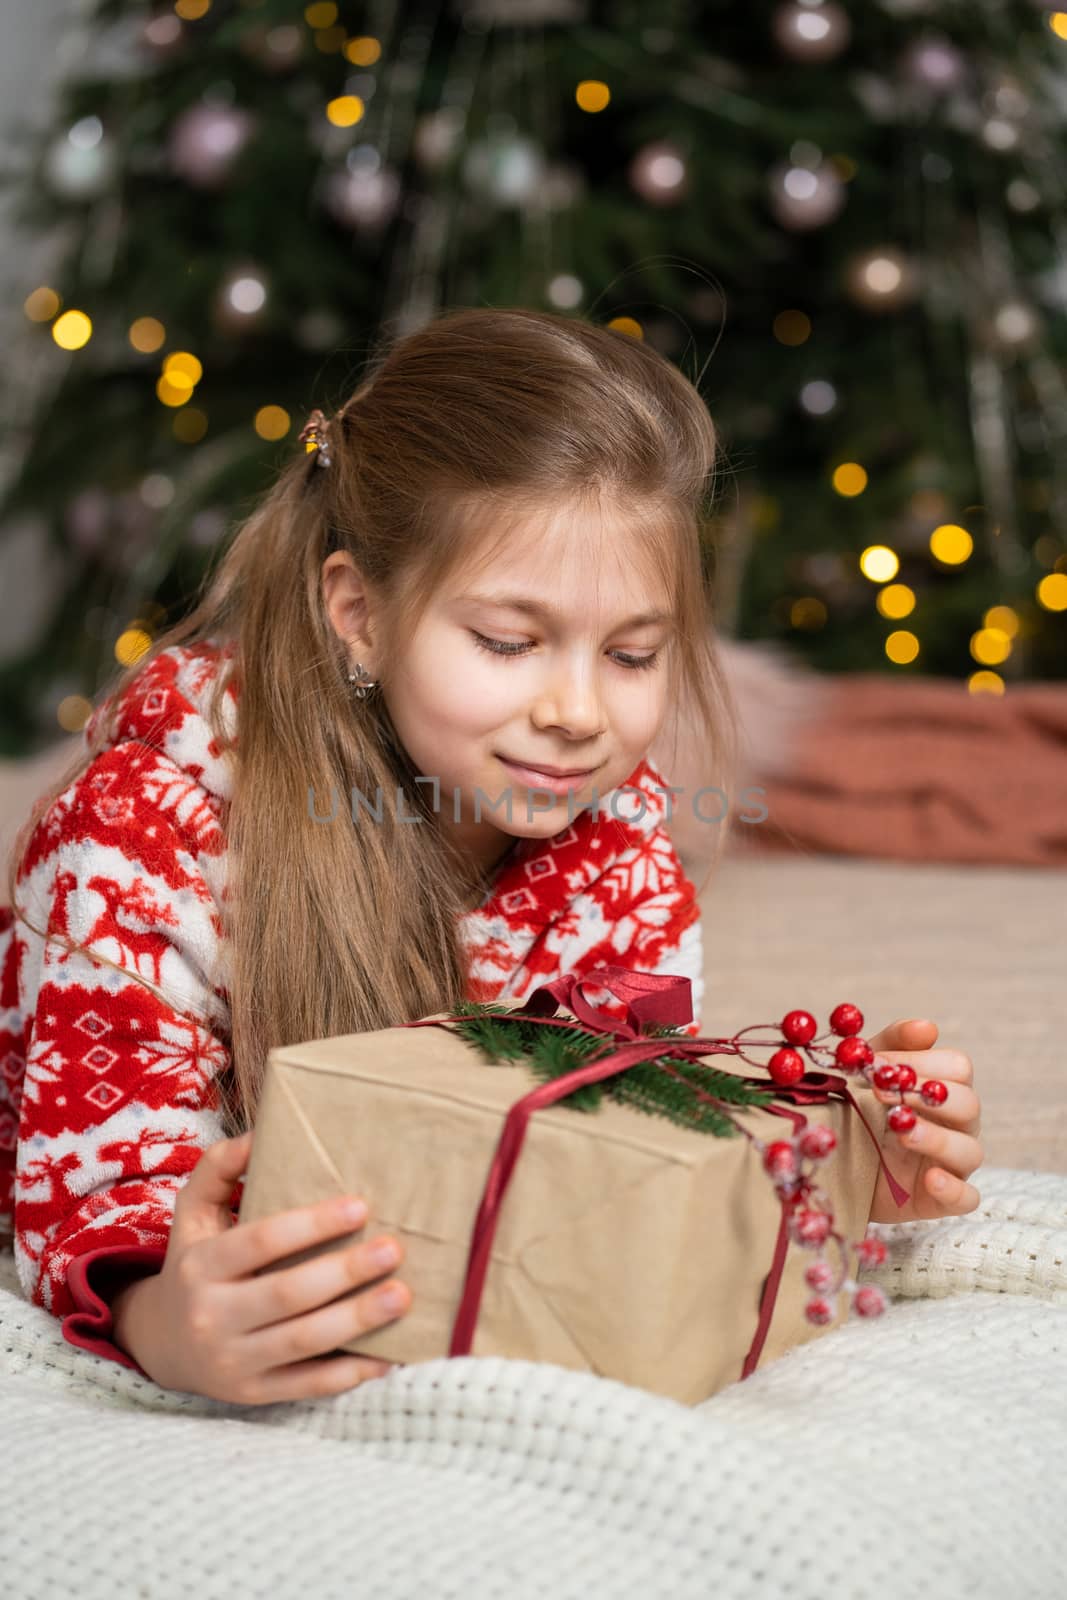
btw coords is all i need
(572, 703)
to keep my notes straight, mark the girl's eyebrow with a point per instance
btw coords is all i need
(537, 608)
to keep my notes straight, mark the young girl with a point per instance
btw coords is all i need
(317, 806)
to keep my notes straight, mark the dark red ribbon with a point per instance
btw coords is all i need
(665, 1001)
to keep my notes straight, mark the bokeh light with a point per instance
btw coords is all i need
(41, 305)
(792, 327)
(362, 51)
(901, 647)
(346, 110)
(951, 544)
(72, 330)
(272, 422)
(896, 600)
(990, 646)
(131, 645)
(147, 334)
(592, 95)
(1052, 592)
(879, 563)
(849, 479)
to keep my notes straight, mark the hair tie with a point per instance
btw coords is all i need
(315, 435)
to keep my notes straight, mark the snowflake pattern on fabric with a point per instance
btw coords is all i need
(109, 1089)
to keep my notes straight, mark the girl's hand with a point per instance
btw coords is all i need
(935, 1158)
(212, 1326)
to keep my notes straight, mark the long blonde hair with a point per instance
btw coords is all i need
(479, 417)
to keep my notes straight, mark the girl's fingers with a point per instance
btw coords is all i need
(961, 1107)
(912, 1033)
(950, 1193)
(957, 1153)
(943, 1064)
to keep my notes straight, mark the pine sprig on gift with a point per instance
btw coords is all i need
(551, 1053)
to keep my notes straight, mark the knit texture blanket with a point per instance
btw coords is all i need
(921, 1453)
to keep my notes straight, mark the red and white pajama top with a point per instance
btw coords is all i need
(108, 1094)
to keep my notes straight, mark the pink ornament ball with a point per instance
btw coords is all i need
(205, 140)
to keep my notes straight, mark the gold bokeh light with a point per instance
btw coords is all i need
(173, 394)
(363, 50)
(850, 479)
(896, 600)
(73, 712)
(592, 95)
(990, 646)
(345, 111)
(131, 645)
(147, 334)
(1004, 618)
(41, 305)
(182, 368)
(901, 647)
(72, 330)
(951, 544)
(272, 422)
(879, 563)
(1052, 591)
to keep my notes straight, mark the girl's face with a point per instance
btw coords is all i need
(482, 683)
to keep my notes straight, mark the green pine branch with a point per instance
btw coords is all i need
(551, 1053)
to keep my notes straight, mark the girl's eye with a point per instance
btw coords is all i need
(499, 648)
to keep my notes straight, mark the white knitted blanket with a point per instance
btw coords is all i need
(922, 1453)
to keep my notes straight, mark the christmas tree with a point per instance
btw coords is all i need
(845, 225)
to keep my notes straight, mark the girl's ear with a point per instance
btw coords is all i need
(346, 601)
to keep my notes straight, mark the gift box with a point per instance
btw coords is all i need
(614, 1242)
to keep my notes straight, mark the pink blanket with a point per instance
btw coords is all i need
(919, 770)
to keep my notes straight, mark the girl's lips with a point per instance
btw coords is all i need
(544, 780)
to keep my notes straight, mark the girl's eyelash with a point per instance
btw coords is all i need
(499, 648)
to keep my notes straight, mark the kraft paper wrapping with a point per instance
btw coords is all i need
(626, 1246)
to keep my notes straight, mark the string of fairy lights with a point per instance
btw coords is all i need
(802, 191)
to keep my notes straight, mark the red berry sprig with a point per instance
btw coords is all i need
(811, 1225)
(900, 1075)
